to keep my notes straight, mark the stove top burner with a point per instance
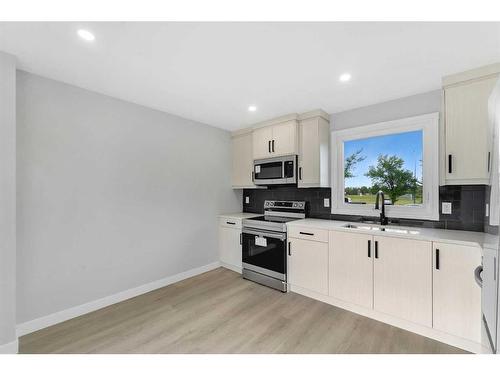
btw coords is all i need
(274, 219)
(276, 215)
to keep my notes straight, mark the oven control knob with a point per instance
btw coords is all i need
(271, 204)
(301, 205)
(295, 205)
(267, 203)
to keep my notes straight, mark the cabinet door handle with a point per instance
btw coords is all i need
(269, 146)
(489, 160)
(307, 233)
(495, 269)
(289, 248)
(230, 222)
(241, 238)
(376, 249)
(450, 160)
(369, 248)
(253, 176)
(300, 173)
(437, 259)
(477, 276)
(273, 145)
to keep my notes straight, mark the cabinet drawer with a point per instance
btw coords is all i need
(308, 233)
(230, 222)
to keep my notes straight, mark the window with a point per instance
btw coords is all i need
(398, 157)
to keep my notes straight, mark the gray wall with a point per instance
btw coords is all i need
(7, 198)
(111, 195)
(392, 110)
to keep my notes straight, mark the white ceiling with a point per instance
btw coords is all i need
(212, 72)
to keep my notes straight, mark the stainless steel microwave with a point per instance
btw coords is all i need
(275, 171)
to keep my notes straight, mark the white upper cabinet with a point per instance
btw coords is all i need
(262, 138)
(285, 138)
(314, 156)
(402, 282)
(457, 297)
(279, 139)
(306, 135)
(242, 161)
(466, 125)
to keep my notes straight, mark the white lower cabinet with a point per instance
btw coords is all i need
(308, 265)
(428, 284)
(351, 267)
(387, 274)
(457, 297)
(229, 243)
(402, 279)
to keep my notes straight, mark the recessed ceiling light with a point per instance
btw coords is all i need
(345, 77)
(86, 35)
(252, 108)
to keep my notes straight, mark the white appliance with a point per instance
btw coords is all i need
(488, 280)
(489, 277)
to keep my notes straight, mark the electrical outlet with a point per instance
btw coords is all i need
(446, 208)
(247, 200)
(326, 202)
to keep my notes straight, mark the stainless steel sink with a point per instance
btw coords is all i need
(361, 226)
(382, 228)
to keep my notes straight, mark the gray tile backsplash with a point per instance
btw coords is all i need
(468, 205)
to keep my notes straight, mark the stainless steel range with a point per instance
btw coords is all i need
(264, 243)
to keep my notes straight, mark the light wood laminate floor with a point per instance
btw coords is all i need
(219, 312)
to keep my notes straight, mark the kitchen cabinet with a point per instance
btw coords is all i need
(285, 138)
(230, 243)
(262, 138)
(456, 295)
(242, 169)
(308, 265)
(279, 139)
(396, 279)
(390, 275)
(402, 278)
(306, 135)
(466, 126)
(314, 152)
(351, 267)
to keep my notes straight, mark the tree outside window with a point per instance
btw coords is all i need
(390, 163)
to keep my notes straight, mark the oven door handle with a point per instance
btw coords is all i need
(279, 236)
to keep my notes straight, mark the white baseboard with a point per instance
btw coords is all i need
(61, 316)
(231, 267)
(429, 332)
(10, 348)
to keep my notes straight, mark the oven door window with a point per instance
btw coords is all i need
(266, 252)
(269, 171)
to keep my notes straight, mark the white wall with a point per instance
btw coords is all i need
(7, 202)
(392, 110)
(111, 195)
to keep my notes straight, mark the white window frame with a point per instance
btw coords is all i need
(429, 124)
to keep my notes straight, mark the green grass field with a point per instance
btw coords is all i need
(370, 199)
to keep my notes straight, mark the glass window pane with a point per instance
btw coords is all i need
(391, 163)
